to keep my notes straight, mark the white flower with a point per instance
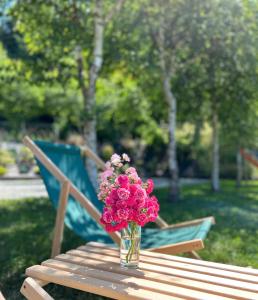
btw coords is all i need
(115, 159)
(126, 157)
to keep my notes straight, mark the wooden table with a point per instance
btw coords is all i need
(95, 268)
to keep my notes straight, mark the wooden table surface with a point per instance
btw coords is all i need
(96, 268)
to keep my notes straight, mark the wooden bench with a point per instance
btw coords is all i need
(95, 268)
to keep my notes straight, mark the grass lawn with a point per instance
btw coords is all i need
(26, 230)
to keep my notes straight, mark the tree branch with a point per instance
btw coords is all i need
(115, 9)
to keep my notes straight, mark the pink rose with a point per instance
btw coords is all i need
(121, 204)
(109, 201)
(141, 219)
(131, 201)
(130, 170)
(123, 214)
(132, 215)
(123, 181)
(113, 194)
(150, 186)
(123, 193)
(107, 217)
(140, 202)
(107, 173)
(140, 193)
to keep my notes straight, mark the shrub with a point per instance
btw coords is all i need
(6, 158)
(107, 150)
(25, 160)
(3, 171)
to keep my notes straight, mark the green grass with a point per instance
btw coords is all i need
(26, 230)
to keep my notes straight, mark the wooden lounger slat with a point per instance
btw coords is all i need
(163, 266)
(96, 269)
(115, 251)
(130, 281)
(79, 265)
(94, 285)
(171, 271)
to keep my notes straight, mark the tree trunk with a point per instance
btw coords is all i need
(215, 153)
(239, 162)
(172, 159)
(90, 97)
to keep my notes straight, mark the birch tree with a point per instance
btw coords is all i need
(168, 23)
(101, 20)
(68, 40)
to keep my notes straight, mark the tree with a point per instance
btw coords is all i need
(57, 34)
(229, 60)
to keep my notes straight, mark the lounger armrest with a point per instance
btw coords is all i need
(182, 247)
(163, 225)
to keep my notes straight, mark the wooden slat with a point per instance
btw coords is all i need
(94, 285)
(33, 291)
(161, 223)
(88, 152)
(220, 266)
(169, 280)
(184, 266)
(59, 225)
(171, 271)
(141, 281)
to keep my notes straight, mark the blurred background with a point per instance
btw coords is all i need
(173, 83)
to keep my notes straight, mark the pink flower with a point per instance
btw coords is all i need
(107, 217)
(123, 193)
(140, 202)
(132, 215)
(133, 188)
(123, 214)
(141, 219)
(131, 201)
(125, 157)
(114, 195)
(134, 178)
(109, 201)
(130, 170)
(140, 193)
(108, 165)
(123, 181)
(115, 159)
(121, 204)
(108, 173)
(150, 186)
(126, 197)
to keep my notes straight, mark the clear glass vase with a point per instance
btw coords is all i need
(130, 246)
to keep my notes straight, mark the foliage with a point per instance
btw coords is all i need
(6, 158)
(3, 171)
(26, 230)
(214, 50)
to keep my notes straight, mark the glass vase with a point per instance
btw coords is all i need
(130, 246)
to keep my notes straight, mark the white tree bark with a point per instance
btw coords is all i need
(90, 134)
(239, 163)
(172, 157)
(215, 153)
(89, 93)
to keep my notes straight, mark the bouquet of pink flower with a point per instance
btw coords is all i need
(127, 198)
